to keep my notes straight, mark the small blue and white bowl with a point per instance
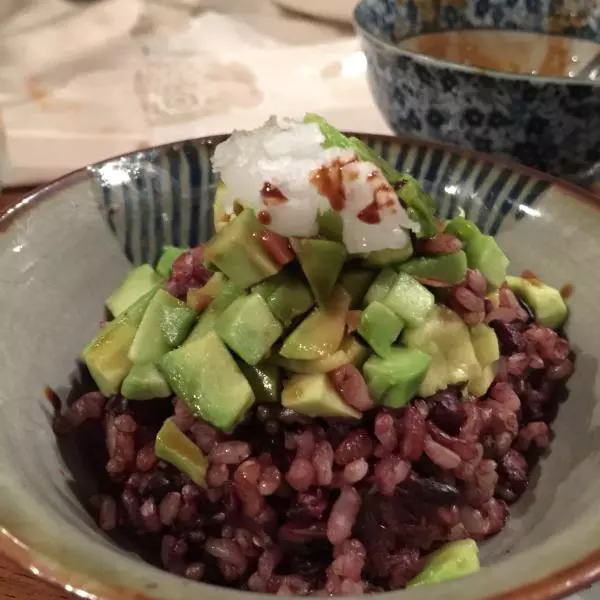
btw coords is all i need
(551, 123)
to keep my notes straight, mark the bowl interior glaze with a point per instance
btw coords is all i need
(66, 247)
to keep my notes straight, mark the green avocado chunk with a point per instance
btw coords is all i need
(466, 231)
(410, 300)
(139, 281)
(249, 328)
(485, 344)
(321, 332)
(322, 262)
(206, 323)
(106, 356)
(200, 298)
(168, 256)
(445, 337)
(356, 282)
(176, 448)
(380, 327)
(478, 386)
(451, 268)
(331, 225)
(145, 382)
(286, 295)
(483, 253)
(165, 325)
(265, 381)
(451, 561)
(236, 251)
(389, 257)
(221, 214)
(205, 376)
(380, 288)
(395, 379)
(351, 351)
(315, 396)
(546, 302)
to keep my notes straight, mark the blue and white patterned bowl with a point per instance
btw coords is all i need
(65, 248)
(552, 124)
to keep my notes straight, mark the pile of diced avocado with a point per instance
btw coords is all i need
(260, 332)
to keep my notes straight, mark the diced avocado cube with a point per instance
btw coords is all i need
(485, 343)
(466, 231)
(380, 288)
(380, 327)
(395, 379)
(206, 323)
(322, 262)
(165, 325)
(200, 298)
(236, 251)
(453, 560)
(451, 268)
(483, 253)
(478, 386)
(249, 328)
(205, 376)
(315, 396)
(331, 225)
(268, 286)
(265, 381)
(176, 448)
(389, 257)
(106, 356)
(145, 382)
(494, 298)
(351, 351)
(356, 282)
(321, 332)
(548, 305)
(419, 204)
(446, 338)
(168, 256)
(222, 207)
(139, 281)
(286, 295)
(411, 301)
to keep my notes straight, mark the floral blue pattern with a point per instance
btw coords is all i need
(549, 123)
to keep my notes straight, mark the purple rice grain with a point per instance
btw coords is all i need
(285, 516)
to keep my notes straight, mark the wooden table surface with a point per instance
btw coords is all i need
(15, 582)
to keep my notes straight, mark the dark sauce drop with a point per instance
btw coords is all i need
(329, 182)
(370, 214)
(272, 195)
(566, 291)
(264, 217)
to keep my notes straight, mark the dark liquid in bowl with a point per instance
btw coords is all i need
(513, 51)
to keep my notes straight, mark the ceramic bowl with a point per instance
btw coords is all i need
(64, 248)
(551, 123)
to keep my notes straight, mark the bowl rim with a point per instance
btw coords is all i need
(425, 59)
(558, 584)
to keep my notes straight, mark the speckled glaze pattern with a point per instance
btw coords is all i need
(64, 249)
(552, 124)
